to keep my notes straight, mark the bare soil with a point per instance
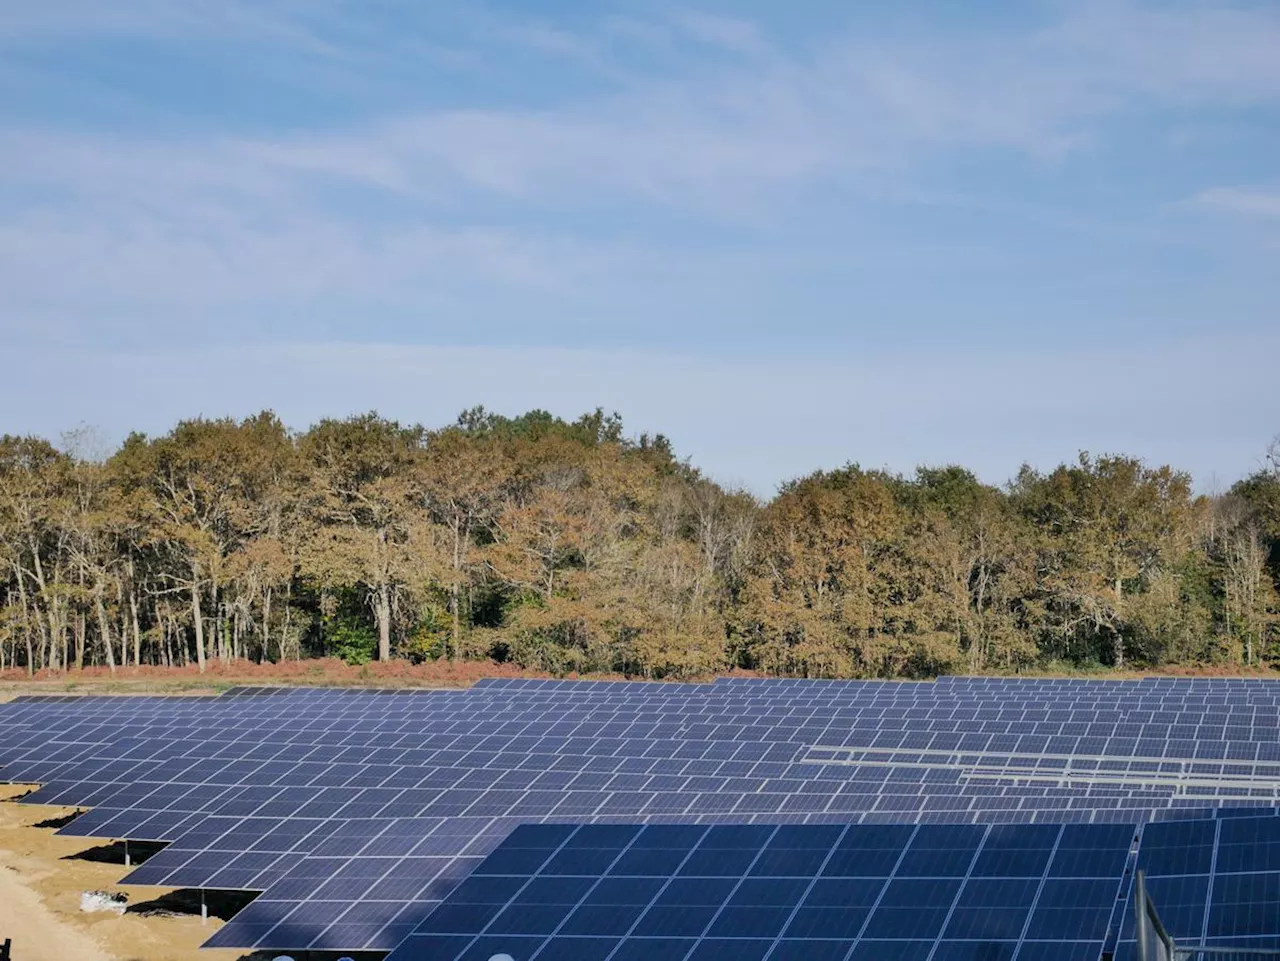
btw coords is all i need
(42, 877)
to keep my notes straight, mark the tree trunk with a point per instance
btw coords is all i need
(456, 644)
(51, 659)
(137, 630)
(1115, 627)
(196, 616)
(124, 626)
(104, 626)
(26, 630)
(26, 623)
(288, 620)
(266, 624)
(31, 660)
(384, 622)
(215, 612)
(81, 631)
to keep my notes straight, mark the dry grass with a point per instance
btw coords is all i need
(218, 677)
(331, 672)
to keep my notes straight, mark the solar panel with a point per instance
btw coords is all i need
(1214, 883)
(783, 892)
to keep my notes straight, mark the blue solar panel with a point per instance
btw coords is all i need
(1214, 883)
(789, 891)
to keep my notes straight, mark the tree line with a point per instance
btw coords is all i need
(569, 546)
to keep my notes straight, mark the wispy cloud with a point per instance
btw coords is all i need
(715, 136)
(730, 33)
(410, 207)
(848, 108)
(1244, 201)
(842, 105)
(264, 23)
(1197, 52)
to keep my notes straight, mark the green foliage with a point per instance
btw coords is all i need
(595, 429)
(352, 640)
(344, 628)
(429, 638)
(590, 430)
(1260, 492)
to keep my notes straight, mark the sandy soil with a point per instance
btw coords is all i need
(40, 885)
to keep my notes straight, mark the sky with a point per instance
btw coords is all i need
(787, 235)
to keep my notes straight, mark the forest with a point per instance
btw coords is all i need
(568, 546)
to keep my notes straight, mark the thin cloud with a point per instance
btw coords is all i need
(729, 33)
(1243, 201)
(410, 209)
(260, 23)
(716, 138)
(1203, 52)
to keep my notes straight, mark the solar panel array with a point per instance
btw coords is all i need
(357, 812)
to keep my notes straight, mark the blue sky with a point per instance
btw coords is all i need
(788, 235)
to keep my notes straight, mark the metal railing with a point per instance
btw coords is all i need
(1204, 776)
(1154, 943)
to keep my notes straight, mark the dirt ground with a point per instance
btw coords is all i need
(41, 878)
